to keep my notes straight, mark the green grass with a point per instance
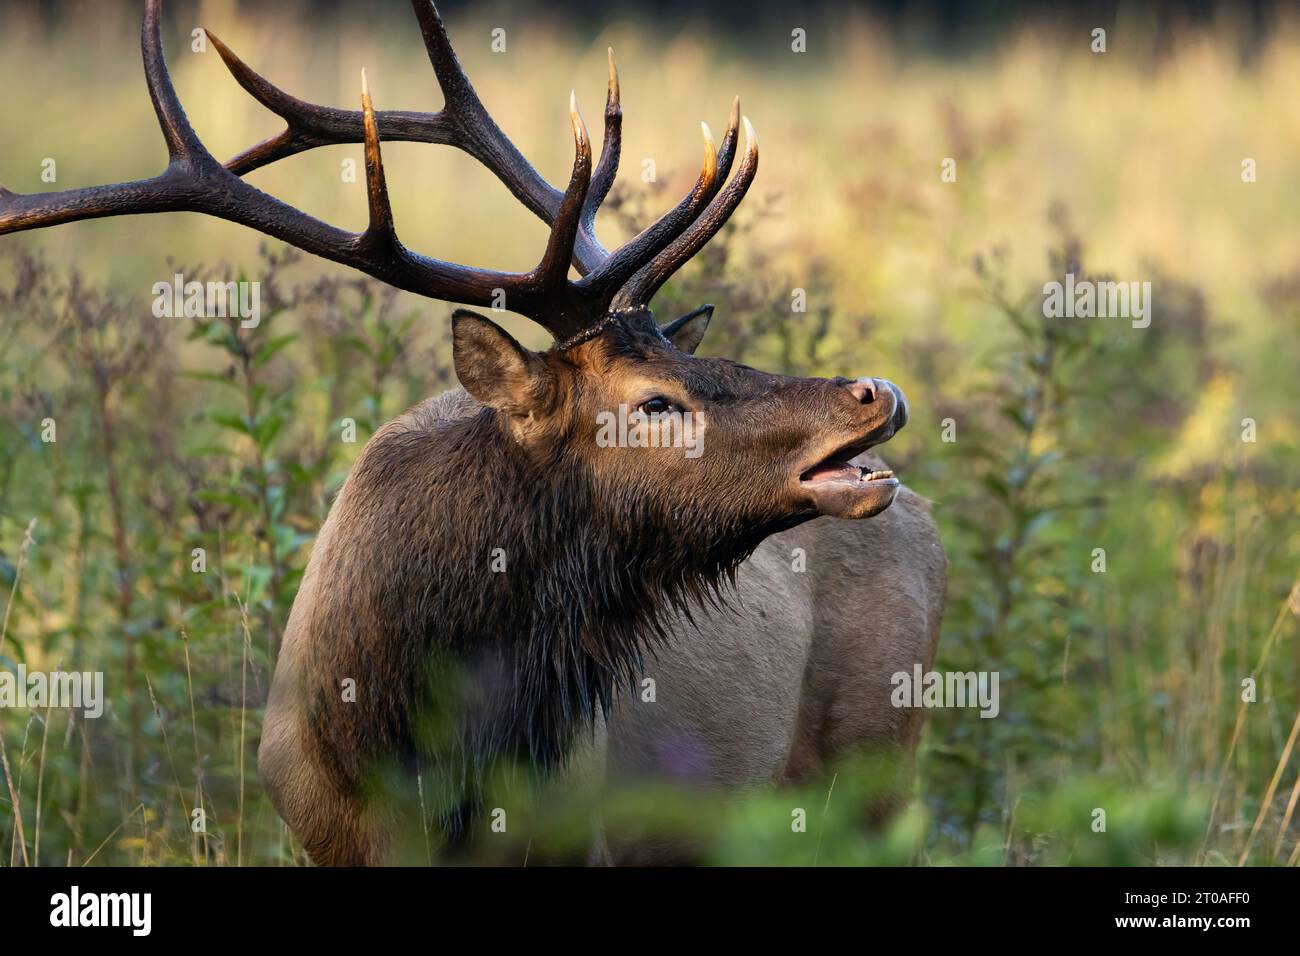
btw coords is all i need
(1121, 691)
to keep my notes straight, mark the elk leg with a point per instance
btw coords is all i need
(333, 827)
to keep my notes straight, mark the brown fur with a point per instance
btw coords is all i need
(607, 552)
(794, 674)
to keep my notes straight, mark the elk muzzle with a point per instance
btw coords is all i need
(837, 485)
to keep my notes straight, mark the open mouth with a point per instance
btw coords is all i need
(843, 471)
(838, 468)
(838, 487)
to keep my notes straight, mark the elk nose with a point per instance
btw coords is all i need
(864, 390)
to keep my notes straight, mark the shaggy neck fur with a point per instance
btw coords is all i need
(458, 663)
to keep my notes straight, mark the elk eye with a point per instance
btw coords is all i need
(657, 406)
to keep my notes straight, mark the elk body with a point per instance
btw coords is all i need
(493, 581)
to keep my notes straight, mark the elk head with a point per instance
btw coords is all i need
(778, 448)
(697, 442)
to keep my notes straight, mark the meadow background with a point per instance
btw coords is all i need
(1120, 690)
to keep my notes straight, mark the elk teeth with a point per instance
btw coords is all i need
(874, 475)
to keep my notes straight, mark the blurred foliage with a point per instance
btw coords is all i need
(1120, 690)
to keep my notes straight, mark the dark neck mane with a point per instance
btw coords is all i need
(516, 660)
(590, 583)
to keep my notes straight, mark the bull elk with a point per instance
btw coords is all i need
(616, 562)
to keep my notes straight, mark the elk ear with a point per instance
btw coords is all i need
(685, 333)
(494, 368)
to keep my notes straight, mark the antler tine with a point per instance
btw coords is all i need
(182, 142)
(381, 227)
(483, 139)
(640, 289)
(611, 149)
(457, 90)
(727, 151)
(652, 240)
(309, 126)
(552, 272)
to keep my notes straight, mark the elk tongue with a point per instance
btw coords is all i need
(832, 471)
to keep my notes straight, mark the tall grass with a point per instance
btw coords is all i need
(1122, 690)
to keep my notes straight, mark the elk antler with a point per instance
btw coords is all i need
(194, 181)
